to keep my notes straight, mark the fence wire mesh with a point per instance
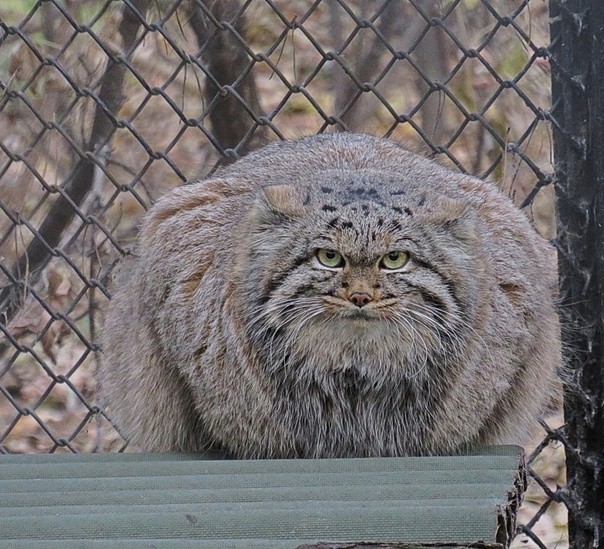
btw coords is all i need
(107, 105)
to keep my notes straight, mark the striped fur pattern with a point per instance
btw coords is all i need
(335, 296)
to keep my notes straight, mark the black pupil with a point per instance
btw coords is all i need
(393, 256)
(330, 254)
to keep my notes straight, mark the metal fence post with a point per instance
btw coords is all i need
(578, 118)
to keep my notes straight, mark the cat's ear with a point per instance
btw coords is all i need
(454, 215)
(289, 200)
(446, 210)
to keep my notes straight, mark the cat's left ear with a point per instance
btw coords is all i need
(454, 215)
(289, 200)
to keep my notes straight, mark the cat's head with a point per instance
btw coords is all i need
(360, 262)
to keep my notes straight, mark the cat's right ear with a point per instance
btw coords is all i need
(287, 200)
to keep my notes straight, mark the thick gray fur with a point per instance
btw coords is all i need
(227, 335)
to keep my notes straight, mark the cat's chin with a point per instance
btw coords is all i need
(365, 329)
(364, 323)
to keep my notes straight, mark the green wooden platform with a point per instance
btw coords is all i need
(143, 500)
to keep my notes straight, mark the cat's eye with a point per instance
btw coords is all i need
(394, 261)
(330, 258)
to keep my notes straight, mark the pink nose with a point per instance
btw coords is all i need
(360, 298)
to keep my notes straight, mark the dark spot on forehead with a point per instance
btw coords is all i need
(329, 208)
(364, 191)
(333, 222)
(422, 200)
(402, 211)
(326, 190)
(356, 192)
(347, 225)
(397, 193)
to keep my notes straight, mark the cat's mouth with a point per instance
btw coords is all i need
(343, 309)
(357, 313)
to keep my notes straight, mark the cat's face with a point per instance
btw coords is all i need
(342, 269)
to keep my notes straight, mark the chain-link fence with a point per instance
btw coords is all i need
(106, 105)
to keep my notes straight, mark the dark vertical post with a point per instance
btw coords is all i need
(577, 56)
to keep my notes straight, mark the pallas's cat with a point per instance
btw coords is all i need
(335, 296)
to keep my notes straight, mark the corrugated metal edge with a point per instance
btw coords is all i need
(506, 525)
(373, 545)
(508, 513)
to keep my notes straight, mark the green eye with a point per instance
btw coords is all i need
(330, 258)
(394, 261)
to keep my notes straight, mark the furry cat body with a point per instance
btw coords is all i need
(227, 333)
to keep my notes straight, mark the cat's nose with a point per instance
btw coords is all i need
(360, 298)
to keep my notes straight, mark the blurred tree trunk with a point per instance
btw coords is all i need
(80, 182)
(431, 57)
(230, 90)
(402, 27)
(361, 59)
